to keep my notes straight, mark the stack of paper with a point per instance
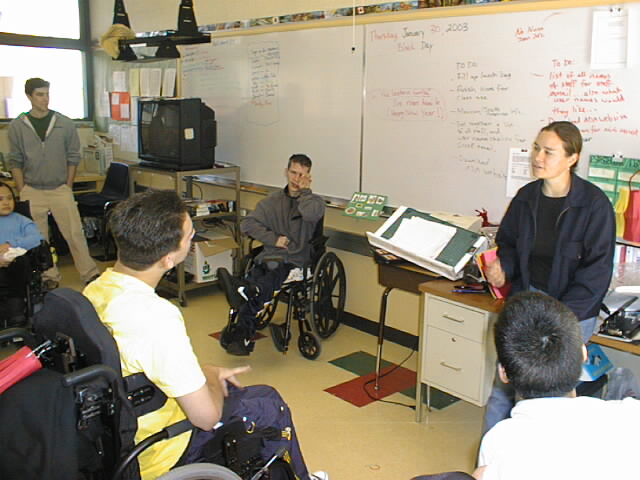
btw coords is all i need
(427, 241)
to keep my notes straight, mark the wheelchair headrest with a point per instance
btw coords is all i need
(70, 313)
(23, 208)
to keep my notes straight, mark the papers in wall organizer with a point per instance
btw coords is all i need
(427, 241)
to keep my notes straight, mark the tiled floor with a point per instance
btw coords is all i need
(377, 441)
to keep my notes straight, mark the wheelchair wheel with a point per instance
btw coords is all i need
(328, 295)
(200, 471)
(309, 345)
(265, 317)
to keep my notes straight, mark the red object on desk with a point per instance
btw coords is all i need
(486, 257)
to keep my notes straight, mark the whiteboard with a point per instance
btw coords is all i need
(447, 98)
(281, 93)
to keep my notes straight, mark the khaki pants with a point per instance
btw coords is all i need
(63, 207)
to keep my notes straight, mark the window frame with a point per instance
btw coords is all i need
(83, 44)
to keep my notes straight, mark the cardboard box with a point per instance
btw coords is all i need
(97, 157)
(207, 255)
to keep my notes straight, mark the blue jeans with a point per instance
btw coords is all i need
(502, 398)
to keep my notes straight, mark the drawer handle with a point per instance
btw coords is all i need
(445, 364)
(454, 319)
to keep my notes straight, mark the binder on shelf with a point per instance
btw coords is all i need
(427, 241)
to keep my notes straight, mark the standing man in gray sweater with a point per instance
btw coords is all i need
(44, 156)
(284, 223)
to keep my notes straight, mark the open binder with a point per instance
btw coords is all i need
(447, 261)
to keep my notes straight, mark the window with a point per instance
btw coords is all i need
(46, 39)
(44, 18)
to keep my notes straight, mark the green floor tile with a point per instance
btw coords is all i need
(439, 399)
(362, 363)
(359, 363)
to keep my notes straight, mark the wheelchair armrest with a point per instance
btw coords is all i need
(254, 251)
(178, 428)
(167, 432)
(90, 373)
(319, 241)
(17, 335)
(41, 257)
(110, 204)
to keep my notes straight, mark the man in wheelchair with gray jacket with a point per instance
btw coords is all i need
(284, 222)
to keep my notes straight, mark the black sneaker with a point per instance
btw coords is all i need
(241, 347)
(230, 286)
(280, 341)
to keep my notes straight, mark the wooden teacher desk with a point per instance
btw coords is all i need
(456, 353)
(455, 344)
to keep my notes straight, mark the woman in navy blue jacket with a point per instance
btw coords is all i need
(557, 236)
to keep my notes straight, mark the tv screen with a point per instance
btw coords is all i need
(176, 134)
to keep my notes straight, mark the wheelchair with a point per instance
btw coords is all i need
(316, 299)
(76, 418)
(28, 270)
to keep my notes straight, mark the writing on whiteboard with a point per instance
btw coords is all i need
(264, 82)
(524, 34)
(592, 100)
(409, 104)
(484, 114)
(199, 60)
(405, 41)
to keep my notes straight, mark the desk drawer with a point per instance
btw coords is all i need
(453, 363)
(456, 319)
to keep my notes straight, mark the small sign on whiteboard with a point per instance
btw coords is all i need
(610, 38)
(519, 170)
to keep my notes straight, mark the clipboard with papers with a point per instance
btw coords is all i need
(428, 241)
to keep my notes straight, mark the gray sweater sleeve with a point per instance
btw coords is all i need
(255, 226)
(72, 144)
(16, 159)
(310, 206)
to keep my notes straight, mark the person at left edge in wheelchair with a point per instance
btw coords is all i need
(153, 233)
(16, 231)
(284, 223)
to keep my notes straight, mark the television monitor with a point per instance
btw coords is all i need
(176, 134)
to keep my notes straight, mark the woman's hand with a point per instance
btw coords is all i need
(495, 274)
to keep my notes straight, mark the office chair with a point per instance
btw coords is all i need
(99, 205)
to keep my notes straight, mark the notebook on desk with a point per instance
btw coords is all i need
(427, 241)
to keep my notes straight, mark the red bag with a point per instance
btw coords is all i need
(18, 366)
(632, 214)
